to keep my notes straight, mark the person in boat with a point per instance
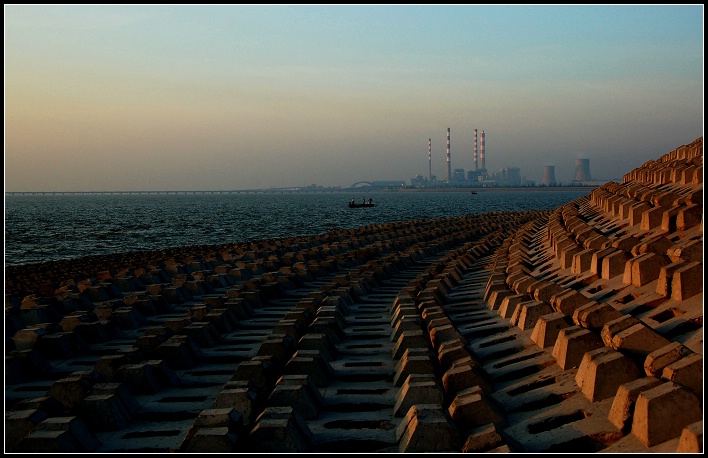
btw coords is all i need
(363, 201)
(371, 201)
(352, 202)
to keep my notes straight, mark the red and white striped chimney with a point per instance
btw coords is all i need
(481, 150)
(430, 163)
(449, 169)
(475, 149)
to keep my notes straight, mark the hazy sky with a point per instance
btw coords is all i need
(238, 97)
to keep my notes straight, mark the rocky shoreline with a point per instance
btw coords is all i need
(576, 330)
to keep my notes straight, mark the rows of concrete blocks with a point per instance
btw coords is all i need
(426, 425)
(671, 258)
(295, 398)
(240, 261)
(48, 277)
(112, 403)
(641, 260)
(684, 165)
(94, 311)
(250, 379)
(448, 409)
(617, 355)
(106, 316)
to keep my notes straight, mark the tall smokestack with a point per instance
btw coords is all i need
(475, 150)
(549, 175)
(449, 170)
(481, 150)
(430, 164)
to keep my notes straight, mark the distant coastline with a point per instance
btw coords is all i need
(500, 188)
(309, 190)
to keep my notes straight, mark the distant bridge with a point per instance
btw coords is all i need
(380, 184)
(305, 189)
(368, 183)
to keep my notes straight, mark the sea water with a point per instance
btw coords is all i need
(42, 228)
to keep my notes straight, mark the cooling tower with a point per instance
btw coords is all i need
(549, 175)
(582, 170)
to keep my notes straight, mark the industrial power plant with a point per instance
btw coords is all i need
(479, 176)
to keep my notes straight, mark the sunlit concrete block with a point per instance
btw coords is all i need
(646, 268)
(602, 371)
(657, 244)
(596, 242)
(657, 360)
(498, 285)
(651, 218)
(625, 243)
(547, 328)
(567, 253)
(546, 291)
(568, 301)
(530, 312)
(687, 371)
(615, 326)
(572, 343)
(622, 410)
(662, 412)
(496, 298)
(509, 303)
(593, 316)
(614, 264)
(597, 258)
(582, 261)
(689, 216)
(687, 281)
(663, 284)
(636, 211)
(686, 250)
(638, 341)
(691, 440)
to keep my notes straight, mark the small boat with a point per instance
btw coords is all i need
(351, 205)
(473, 192)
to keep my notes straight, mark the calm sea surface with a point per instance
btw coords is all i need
(42, 228)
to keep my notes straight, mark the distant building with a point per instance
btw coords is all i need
(419, 181)
(458, 175)
(509, 176)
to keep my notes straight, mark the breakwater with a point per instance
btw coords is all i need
(562, 330)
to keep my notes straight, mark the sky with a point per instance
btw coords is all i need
(227, 97)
